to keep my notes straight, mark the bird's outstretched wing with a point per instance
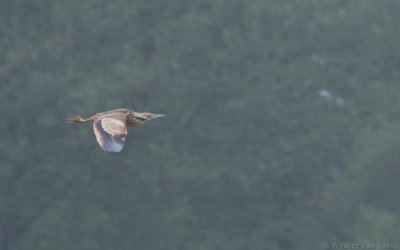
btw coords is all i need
(110, 134)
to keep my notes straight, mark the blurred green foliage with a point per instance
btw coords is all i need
(282, 127)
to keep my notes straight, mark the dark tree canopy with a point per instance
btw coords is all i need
(282, 127)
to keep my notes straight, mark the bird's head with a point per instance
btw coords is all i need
(146, 116)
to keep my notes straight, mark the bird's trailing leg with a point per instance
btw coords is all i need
(77, 119)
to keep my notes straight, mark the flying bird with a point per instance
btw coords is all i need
(110, 127)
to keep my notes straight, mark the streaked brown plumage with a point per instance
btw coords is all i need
(110, 127)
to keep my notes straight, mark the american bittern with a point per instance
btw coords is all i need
(110, 127)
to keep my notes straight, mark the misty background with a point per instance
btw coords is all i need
(282, 127)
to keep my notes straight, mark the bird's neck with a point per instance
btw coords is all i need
(133, 121)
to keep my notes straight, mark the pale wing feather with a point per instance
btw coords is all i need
(110, 134)
(113, 126)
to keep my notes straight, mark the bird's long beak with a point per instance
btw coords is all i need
(157, 115)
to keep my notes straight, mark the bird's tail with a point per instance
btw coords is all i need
(76, 119)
